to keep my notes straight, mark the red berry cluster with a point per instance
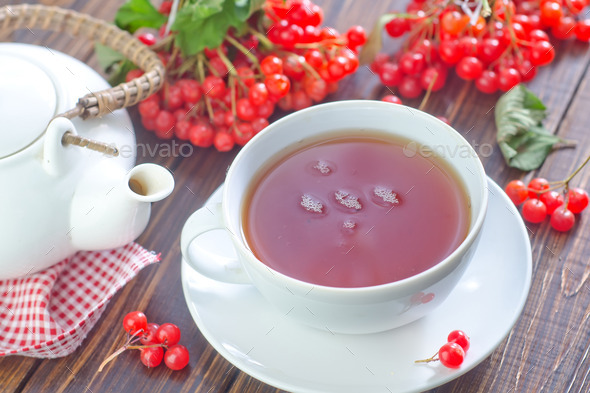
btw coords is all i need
(541, 198)
(452, 353)
(293, 63)
(159, 342)
(496, 52)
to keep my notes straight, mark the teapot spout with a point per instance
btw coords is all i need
(150, 183)
(112, 208)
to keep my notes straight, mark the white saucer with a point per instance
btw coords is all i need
(269, 346)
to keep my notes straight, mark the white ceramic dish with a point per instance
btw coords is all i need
(269, 346)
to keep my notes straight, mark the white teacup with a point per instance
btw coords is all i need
(344, 310)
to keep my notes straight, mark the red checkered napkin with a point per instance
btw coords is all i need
(48, 314)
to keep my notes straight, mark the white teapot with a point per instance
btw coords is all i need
(57, 198)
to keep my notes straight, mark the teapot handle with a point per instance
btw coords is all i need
(99, 103)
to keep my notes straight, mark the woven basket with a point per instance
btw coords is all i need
(96, 104)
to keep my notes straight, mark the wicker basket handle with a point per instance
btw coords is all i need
(95, 104)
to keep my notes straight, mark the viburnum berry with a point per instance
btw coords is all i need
(536, 186)
(452, 354)
(552, 200)
(223, 141)
(152, 356)
(534, 211)
(582, 30)
(159, 342)
(168, 334)
(135, 323)
(176, 357)
(149, 336)
(517, 191)
(562, 219)
(392, 99)
(577, 200)
(356, 36)
(459, 337)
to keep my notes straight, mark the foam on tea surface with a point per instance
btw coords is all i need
(354, 212)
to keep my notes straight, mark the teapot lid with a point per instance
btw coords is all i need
(28, 102)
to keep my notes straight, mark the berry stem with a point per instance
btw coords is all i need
(428, 91)
(230, 67)
(244, 50)
(261, 38)
(310, 69)
(433, 358)
(201, 72)
(574, 173)
(111, 357)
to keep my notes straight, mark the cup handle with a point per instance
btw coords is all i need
(213, 266)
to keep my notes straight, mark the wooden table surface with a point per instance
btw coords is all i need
(548, 350)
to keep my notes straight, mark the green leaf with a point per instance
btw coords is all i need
(107, 56)
(523, 140)
(138, 13)
(245, 8)
(204, 23)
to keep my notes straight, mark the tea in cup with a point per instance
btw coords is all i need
(350, 216)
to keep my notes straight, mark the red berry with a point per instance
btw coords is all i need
(392, 99)
(278, 85)
(149, 109)
(469, 68)
(534, 211)
(582, 30)
(451, 355)
(246, 75)
(245, 110)
(259, 124)
(508, 78)
(551, 13)
(542, 53)
(314, 58)
(577, 200)
(147, 38)
(487, 82)
(551, 199)
(168, 334)
(152, 356)
(164, 124)
(190, 90)
(201, 134)
(410, 87)
(176, 357)
(149, 336)
(165, 7)
(453, 22)
(135, 323)
(412, 63)
(397, 27)
(562, 219)
(391, 74)
(564, 29)
(536, 186)
(213, 86)
(271, 65)
(258, 94)
(459, 337)
(356, 36)
(242, 133)
(132, 74)
(517, 191)
(223, 141)
(433, 78)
